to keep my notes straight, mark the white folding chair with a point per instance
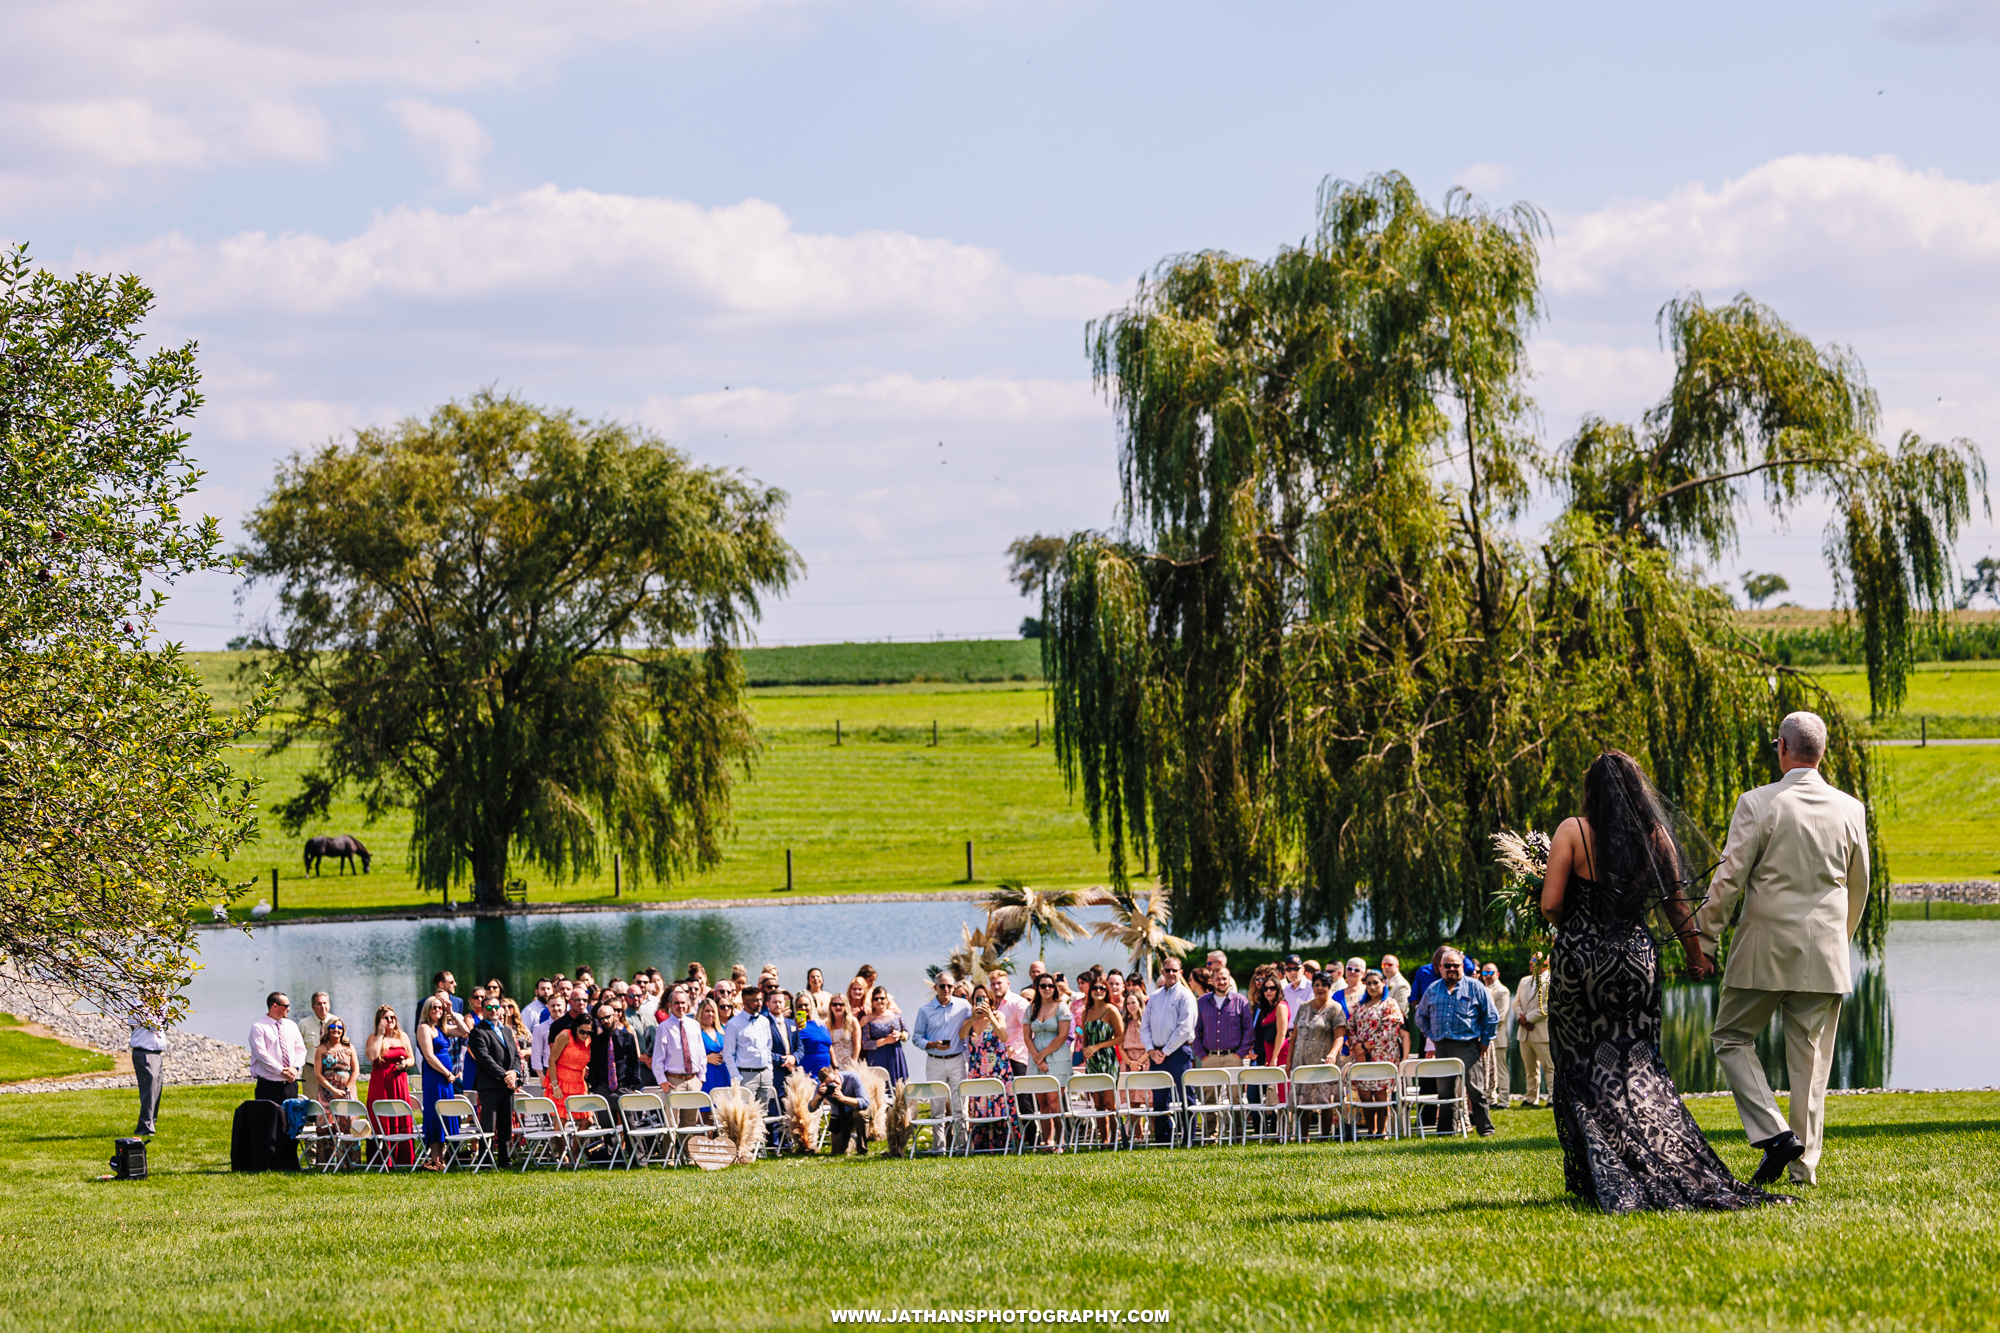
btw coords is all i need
(647, 1140)
(584, 1132)
(1040, 1085)
(1352, 1107)
(395, 1108)
(930, 1093)
(1147, 1082)
(1210, 1092)
(1297, 1109)
(1443, 1070)
(1084, 1112)
(469, 1131)
(984, 1090)
(678, 1134)
(538, 1123)
(1271, 1083)
(352, 1139)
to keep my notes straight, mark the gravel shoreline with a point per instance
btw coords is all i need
(189, 1058)
(1978, 892)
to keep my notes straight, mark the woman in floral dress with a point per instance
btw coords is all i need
(986, 1057)
(1375, 1032)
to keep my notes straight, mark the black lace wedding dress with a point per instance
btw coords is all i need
(1628, 1142)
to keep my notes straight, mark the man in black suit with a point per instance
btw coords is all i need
(496, 1076)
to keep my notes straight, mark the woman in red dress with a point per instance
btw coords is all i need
(389, 1064)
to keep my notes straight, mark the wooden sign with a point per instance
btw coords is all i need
(711, 1154)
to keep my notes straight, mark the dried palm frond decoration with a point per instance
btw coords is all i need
(1524, 860)
(739, 1119)
(877, 1124)
(897, 1136)
(801, 1123)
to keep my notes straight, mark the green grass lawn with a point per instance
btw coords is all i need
(885, 810)
(24, 1055)
(1900, 1235)
(1940, 811)
(1947, 699)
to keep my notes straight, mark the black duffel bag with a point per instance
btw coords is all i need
(258, 1142)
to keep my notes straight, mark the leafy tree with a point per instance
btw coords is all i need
(522, 625)
(1319, 667)
(1761, 588)
(116, 800)
(1013, 909)
(1985, 582)
(1029, 560)
(1031, 627)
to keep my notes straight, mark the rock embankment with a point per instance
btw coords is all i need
(1976, 891)
(189, 1058)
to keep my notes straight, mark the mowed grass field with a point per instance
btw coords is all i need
(885, 810)
(1900, 1234)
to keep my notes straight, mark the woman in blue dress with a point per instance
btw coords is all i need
(882, 1038)
(715, 1073)
(436, 1032)
(812, 1040)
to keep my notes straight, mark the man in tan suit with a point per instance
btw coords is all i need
(1797, 857)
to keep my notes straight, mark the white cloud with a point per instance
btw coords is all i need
(450, 140)
(1885, 240)
(1947, 21)
(95, 92)
(1484, 178)
(679, 265)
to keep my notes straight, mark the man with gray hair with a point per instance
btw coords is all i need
(1797, 859)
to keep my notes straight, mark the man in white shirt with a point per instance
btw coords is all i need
(1297, 987)
(680, 1061)
(536, 1011)
(746, 1048)
(936, 1033)
(1167, 1028)
(277, 1051)
(556, 1007)
(149, 1053)
(310, 1028)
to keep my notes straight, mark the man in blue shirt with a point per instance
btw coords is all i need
(935, 1032)
(1458, 1015)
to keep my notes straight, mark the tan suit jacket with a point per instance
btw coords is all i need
(1797, 856)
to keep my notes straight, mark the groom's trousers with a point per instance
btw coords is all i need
(1811, 1020)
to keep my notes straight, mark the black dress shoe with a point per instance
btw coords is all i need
(1779, 1153)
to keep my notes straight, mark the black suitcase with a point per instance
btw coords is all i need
(258, 1142)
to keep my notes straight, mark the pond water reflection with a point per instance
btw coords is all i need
(1909, 1022)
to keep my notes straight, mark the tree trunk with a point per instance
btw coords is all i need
(489, 875)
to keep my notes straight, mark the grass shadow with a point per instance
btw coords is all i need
(1561, 1204)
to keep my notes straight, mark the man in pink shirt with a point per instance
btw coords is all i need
(1013, 1011)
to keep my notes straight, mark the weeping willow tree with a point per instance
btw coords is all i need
(1320, 664)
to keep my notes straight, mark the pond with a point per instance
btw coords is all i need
(1910, 1023)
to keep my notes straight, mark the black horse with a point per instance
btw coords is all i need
(344, 845)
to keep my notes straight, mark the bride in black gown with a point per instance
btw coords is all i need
(1628, 1141)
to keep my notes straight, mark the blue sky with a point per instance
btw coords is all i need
(851, 247)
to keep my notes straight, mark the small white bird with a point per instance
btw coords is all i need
(260, 911)
(221, 912)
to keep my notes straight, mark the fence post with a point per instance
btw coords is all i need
(933, 733)
(836, 731)
(968, 861)
(1038, 732)
(1924, 730)
(617, 876)
(274, 888)
(788, 870)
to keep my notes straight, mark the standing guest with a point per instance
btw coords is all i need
(747, 1049)
(866, 972)
(816, 996)
(1376, 1031)
(1309, 969)
(1114, 986)
(882, 1037)
(569, 1053)
(445, 984)
(517, 1028)
(320, 1006)
(813, 1041)
(739, 977)
(843, 1033)
(680, 1056)
(337, 1062)
(1198, 981)
(614, 1067)
(437, 1028)
(276, 1050)
(1035, 970)
(1297, 987)
(936, 1034)
(1458, 1014)
(640, 1021)
(1531, 1013)
(847, 1118)
(556, 1008)
(536, 1011)
(149, 1055)
(1103, 1036)
(1012, 1011)
(1351, 991)
(1132, 1049)
(1169, 1028)
(715, 1072)
(1394, 984)
(1499, 1073)
(1223, 1033)
(1135, 981)
(1318, 1029)
(1048, 1040)
(985, 1040)
(496, 1076)
(1269, 1024)
(784, 1052)
(390, 1060)
(697, 977)
(857, 1000)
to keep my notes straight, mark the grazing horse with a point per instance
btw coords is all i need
(344, 845)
